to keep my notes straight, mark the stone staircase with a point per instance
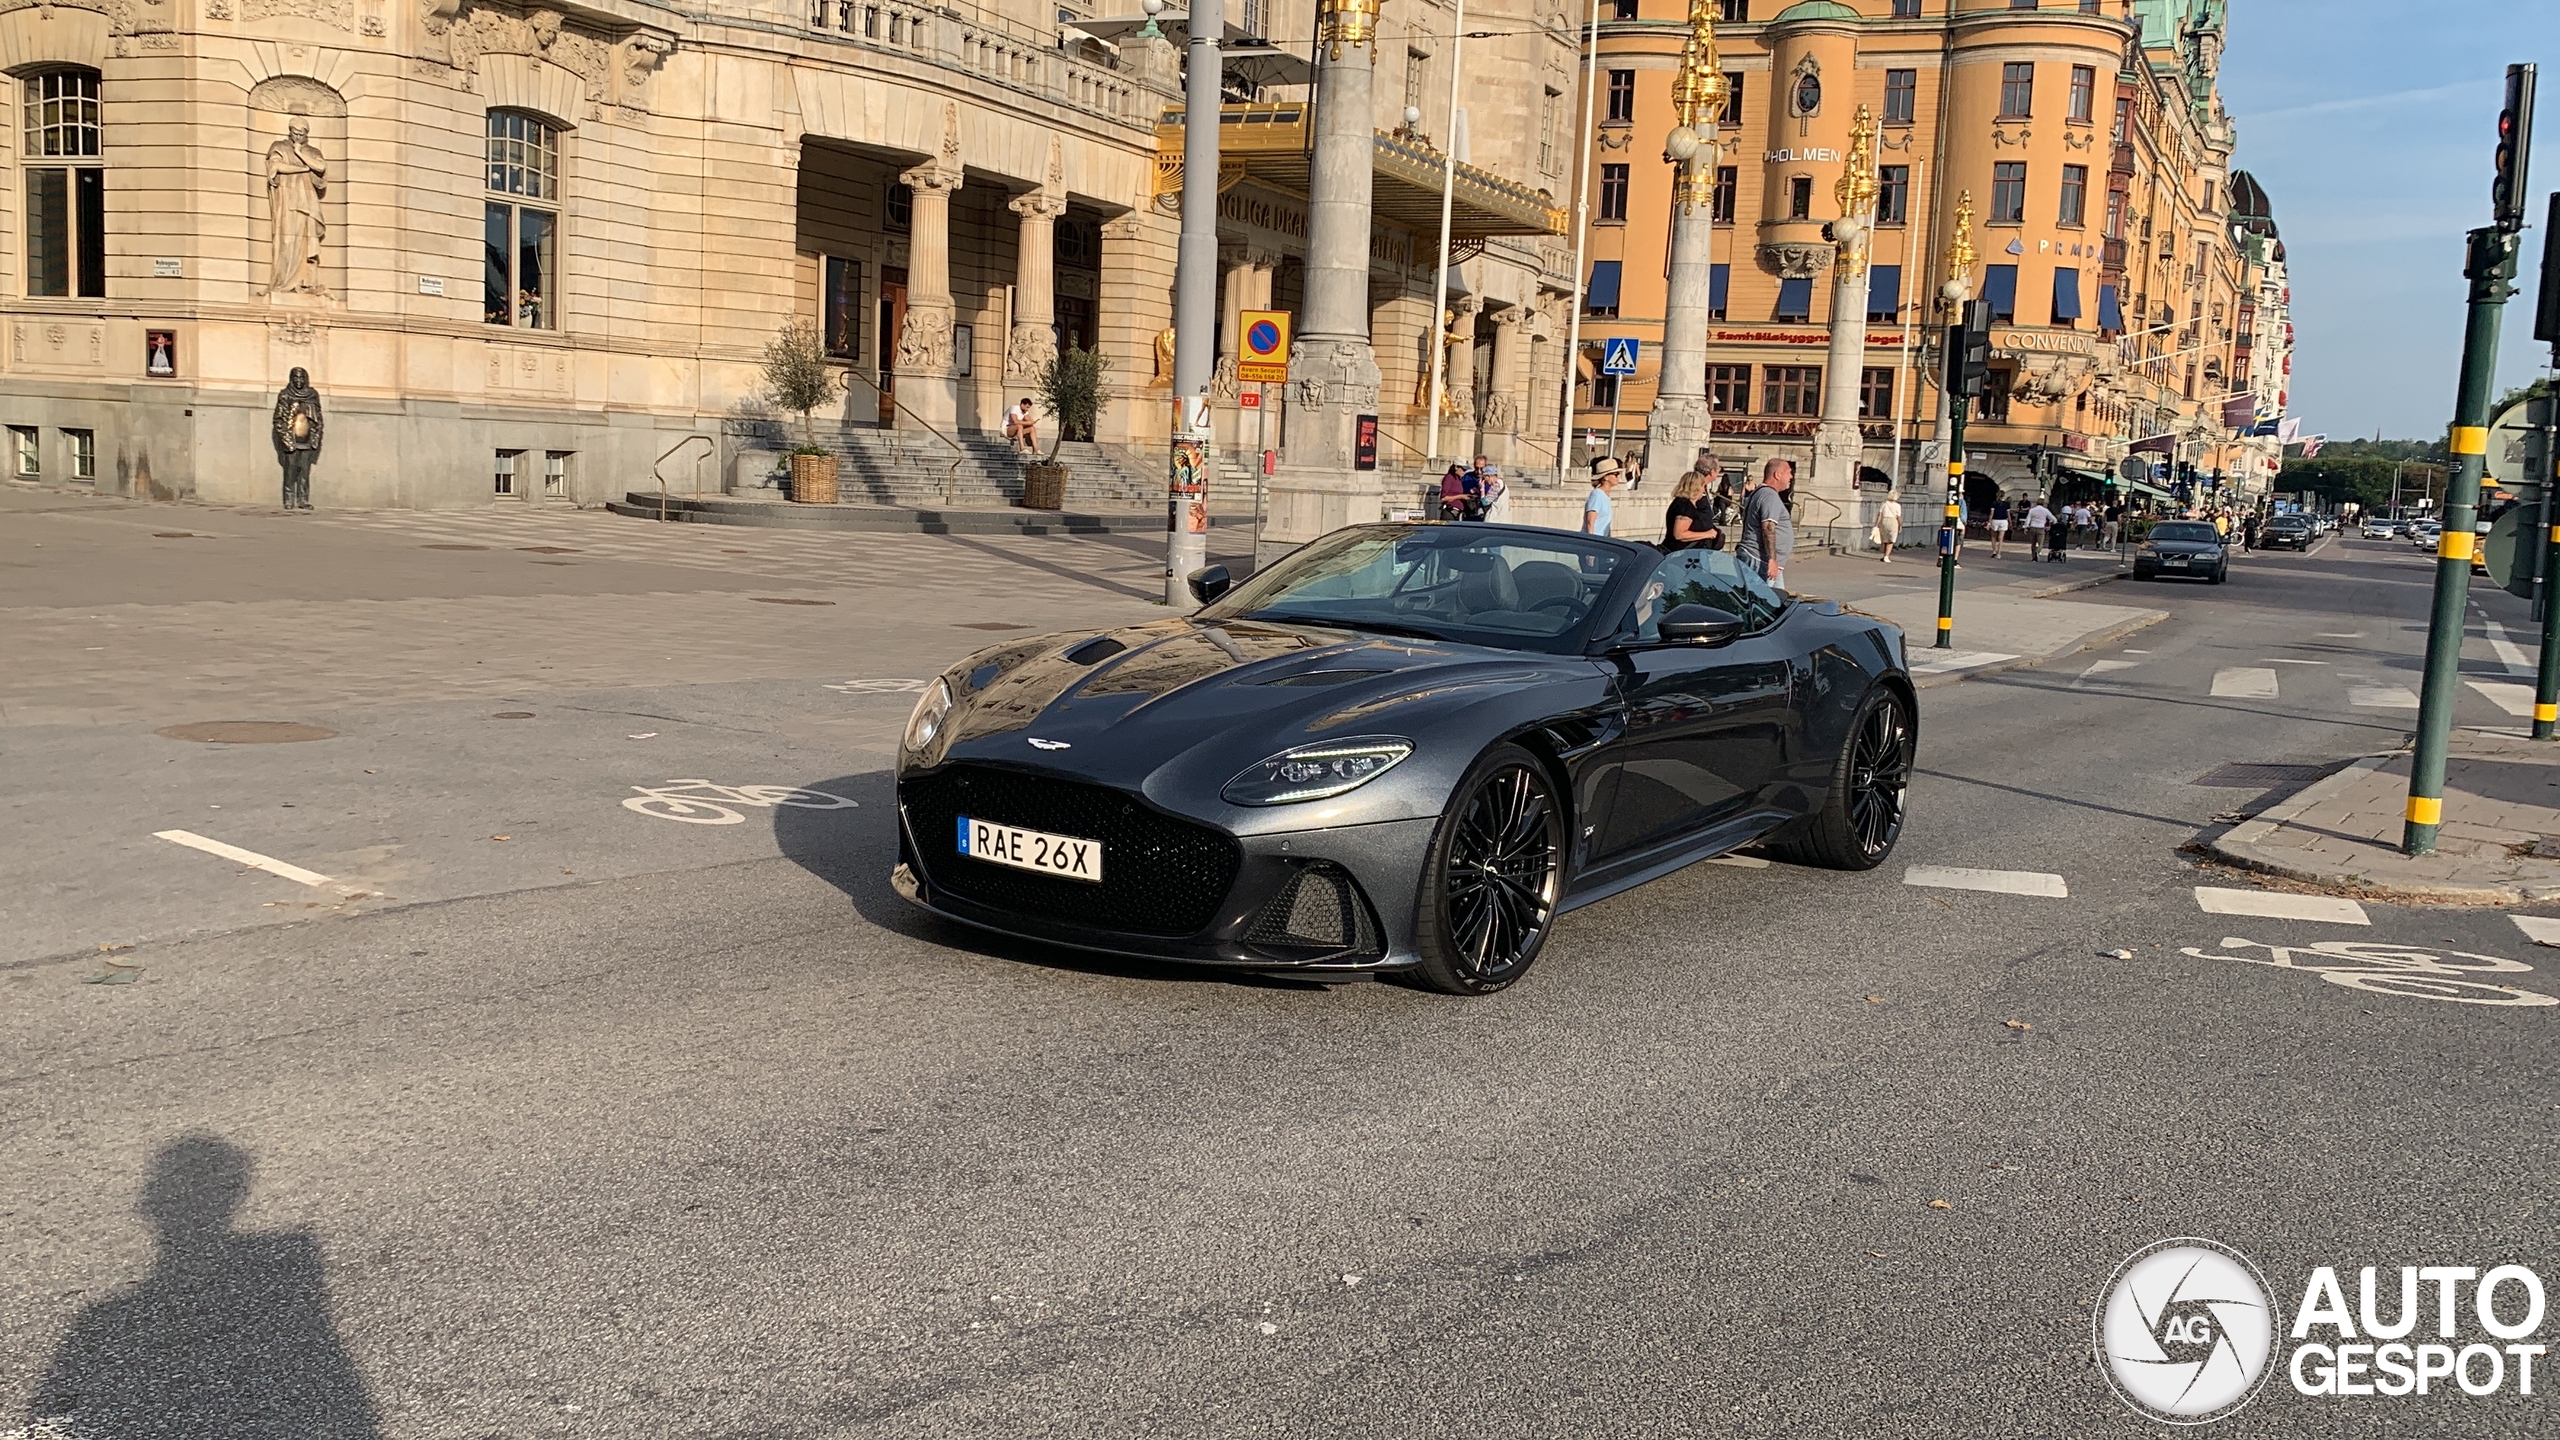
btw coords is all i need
(916, 469)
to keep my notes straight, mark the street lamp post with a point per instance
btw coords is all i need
(1682, 419)
(1195, 309)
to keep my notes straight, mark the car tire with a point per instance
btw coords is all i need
(2221, 572)
(1493, 875)
(1862, 813)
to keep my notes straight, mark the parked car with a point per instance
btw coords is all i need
(2287, 532)
(2377, 528)
(2423, 533)
(2182, 547)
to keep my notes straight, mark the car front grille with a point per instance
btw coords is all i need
(1160, 875)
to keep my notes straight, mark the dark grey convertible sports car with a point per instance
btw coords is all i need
(1401, 747)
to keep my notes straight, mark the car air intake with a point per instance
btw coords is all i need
(1160, 875)
(1321, 912)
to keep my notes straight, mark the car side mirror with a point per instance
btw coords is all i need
(1209, 584)
(1702, 625)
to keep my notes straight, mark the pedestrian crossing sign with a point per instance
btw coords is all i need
(1618, 358)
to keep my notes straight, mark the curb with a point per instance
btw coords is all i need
(2238, 848)
(2118, 631)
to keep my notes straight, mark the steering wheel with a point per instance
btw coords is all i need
(1571, 607)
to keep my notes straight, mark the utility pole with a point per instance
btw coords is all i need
(2491, 264)
(1967, 352)
(2546, 328)
(1195, 309)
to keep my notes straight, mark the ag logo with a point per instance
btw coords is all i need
(2186, 1330)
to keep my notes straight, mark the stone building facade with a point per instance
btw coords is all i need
(2094, 146)
(534, 251)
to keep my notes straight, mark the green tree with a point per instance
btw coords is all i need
(1071, 390)
(799, 377)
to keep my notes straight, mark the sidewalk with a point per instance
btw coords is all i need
(2008, 612)
(2499, 845)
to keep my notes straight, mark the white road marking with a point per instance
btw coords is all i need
(879, 687)
(2510, 654)
(1998, 882)
(2244, 684)
(2516, 700)
(2297, 662)
(2540, 929)
(1741, 862)
(2340, 635)
(2383, 697)
(1960, 660)
(2275, 906)
(251, 858)
(2104, 667)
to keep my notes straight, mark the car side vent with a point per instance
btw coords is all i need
(1322, 910)
(1095, 650)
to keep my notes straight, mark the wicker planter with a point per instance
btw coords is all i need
(813, 479)
(1044, 486)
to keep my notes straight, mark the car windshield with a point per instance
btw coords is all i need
(1507, 589)
(2288, 522)
(2184, 530)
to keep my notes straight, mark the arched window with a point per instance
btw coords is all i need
(520, 282)
(66, 199)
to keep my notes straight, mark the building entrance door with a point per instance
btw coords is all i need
(893, 321)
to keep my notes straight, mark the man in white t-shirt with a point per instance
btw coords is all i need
(2039, 525)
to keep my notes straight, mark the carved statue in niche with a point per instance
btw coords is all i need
(297, 181)
(924, 342)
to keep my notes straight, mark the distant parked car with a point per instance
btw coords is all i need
(2423, 533)
(2287, 532)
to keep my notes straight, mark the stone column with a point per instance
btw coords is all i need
(1681, 422)
(1333, 373)
(1506, 408)
(1034, 341)
(1458, 388)
(928, 373)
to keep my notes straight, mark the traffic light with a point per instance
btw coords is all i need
(2546, 315)
(2515, 144)
(1969, 350)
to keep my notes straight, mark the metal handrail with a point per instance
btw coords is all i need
(658, 468)
(889, 411)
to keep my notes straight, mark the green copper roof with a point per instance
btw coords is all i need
(1815, 10)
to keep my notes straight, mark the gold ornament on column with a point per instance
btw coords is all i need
(1697, 94)
(1856, 192)
(1347, 22)
(1959, 287)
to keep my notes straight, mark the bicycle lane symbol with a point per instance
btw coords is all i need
(699, 802)
(2381, 968)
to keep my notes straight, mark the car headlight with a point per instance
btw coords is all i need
(932, 707)
(1317, 772)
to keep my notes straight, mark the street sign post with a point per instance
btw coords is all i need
(1618, 360)
(1265, 360)
(2546, 328)
(1968, 355)
(2490, 265)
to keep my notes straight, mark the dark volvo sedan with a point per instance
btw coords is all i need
(1401, 747)
(2182, 547)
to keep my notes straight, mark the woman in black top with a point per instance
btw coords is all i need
(1688, 524)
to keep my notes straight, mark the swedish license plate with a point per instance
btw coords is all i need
(2175, 560)
(1062, 855)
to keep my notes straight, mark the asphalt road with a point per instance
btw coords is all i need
(715, 1138)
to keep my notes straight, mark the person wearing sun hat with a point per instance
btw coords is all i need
(1598, 509)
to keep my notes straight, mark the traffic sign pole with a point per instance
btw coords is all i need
(2546, 328)
(1618, 360)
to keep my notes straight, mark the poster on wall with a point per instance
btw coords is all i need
(160, 354)
(1364, 443)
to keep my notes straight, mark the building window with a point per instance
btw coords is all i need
(1792, 390)
(1893, 194)
(2208, 197)
(1600, 293)
(519, 279)
(1875, 393)
(555, 474)
(1613, 194)
(1622, 9)
(83, 445)
(30, 450)
(1547, 131)
(2084, 93)
(503, 473)
(2009, 192)
(1729, 389)
(66, 216)
(1901, 96)
(1732, 99)
(1799, 197)
(1737, 11)
(1414, 60)
(1994, 404)
(1906, 9)
(2075, 195)
(1622, 97)
(1720, 207)
(898, 209)
(2115, 215)
(2017, 90)
(840, 308)
(2124, 119)
(1604, 392)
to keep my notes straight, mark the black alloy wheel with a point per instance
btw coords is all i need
(1497, 866)
(1861, 818)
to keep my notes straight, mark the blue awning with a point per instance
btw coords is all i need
(1884, 292)
(1602, 294)
(2110, 310)
(2066, 295)
(2000, 287)
(1719, 282)
(1795, 299)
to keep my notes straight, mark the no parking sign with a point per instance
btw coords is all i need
(1265, 360)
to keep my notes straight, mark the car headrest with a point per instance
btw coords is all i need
(1542, 580)
(1489, 588)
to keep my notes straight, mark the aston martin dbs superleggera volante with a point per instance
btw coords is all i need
(1401, 747)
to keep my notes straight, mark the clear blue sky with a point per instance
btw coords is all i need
(2371, 125)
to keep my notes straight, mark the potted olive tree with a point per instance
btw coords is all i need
(798, 377)
(1071, 391)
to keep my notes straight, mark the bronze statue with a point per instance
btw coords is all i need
(297, 433)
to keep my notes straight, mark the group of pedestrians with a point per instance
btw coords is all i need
(1472, 492)
(1707, 512)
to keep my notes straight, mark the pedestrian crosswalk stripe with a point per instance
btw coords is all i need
(2540, 929)
(2516, 700)
(1998, 882)
(2240, 683)
(2275, 906)
(1959, 660)
(2106, 667)
(2383, 697)
(2510, 654)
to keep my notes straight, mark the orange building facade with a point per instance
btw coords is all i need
(2092, 141)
